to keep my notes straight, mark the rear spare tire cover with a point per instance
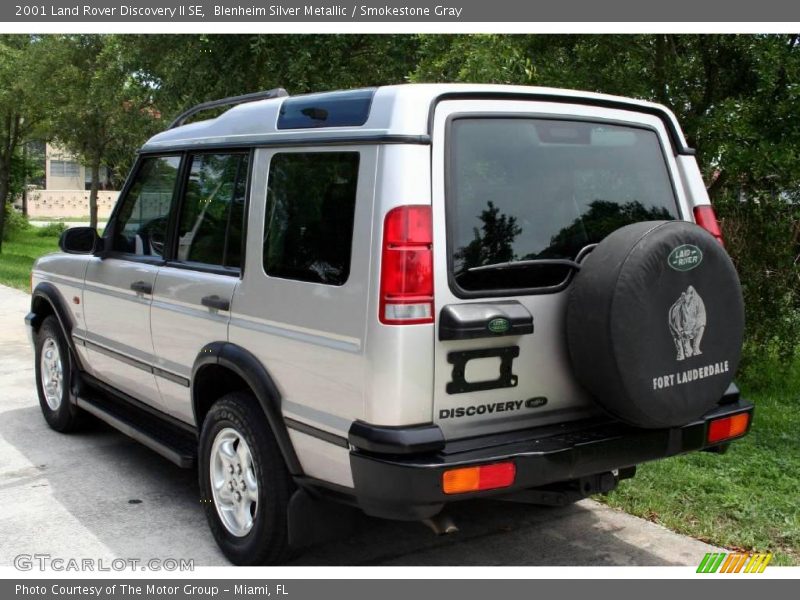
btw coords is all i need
(655, 320)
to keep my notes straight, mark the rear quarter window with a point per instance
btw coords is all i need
(524, 189)
(308, 227)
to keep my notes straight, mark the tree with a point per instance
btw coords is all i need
(493, 243)
(20, 113)
(185, 70)
(736, 96)
(738, 100)
(99, 108)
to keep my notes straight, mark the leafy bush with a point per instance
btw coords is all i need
(54, 229)
(14, 223)
(763, 238)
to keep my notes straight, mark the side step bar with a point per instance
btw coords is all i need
(170, 442)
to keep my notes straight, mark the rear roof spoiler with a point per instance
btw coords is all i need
(231, 101)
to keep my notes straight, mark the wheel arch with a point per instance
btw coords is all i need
(47, 301)
(222, 367)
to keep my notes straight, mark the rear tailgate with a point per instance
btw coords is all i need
(521, 189)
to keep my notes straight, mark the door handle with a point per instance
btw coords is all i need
(142, 287)
(216, 302)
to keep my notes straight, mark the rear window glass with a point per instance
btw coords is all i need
(523, 189)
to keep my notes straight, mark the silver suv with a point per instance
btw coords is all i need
(396, 298)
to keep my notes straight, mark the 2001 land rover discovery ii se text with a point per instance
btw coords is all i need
(392, 299)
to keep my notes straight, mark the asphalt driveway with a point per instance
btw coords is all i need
(97, 494)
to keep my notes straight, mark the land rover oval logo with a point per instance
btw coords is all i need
(499, 325)
(685, 257)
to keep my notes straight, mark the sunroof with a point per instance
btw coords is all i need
(333, 109)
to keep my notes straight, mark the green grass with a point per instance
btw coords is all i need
(19, 252)
(65, 219)
(747, 499)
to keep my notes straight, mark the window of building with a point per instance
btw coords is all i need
(104, 182)
(309, 216)
(64, 168)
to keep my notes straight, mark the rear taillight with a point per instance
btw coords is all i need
(476, 479)
(705, 217)
(407, 266)
(728, 428)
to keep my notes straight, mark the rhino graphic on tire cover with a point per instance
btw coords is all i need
(687, 322)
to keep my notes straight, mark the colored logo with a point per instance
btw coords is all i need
(685, 257)
(499, 325)
(737, 562)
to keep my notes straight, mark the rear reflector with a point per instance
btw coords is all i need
(475, 479)
(728, 427)
(407, 266)
(705, 217)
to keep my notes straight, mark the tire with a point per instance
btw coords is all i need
(234, 429)
(655, 322)
(54, 377)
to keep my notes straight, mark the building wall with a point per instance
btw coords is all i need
(68, 203)
(55, 157)
(65, 193)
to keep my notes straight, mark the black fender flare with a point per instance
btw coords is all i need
(255, 375)
(47, 292)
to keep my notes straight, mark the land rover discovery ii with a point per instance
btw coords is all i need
(397, 298)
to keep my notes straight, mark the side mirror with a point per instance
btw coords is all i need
(79, 240)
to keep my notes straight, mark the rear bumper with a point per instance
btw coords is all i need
(408, 486)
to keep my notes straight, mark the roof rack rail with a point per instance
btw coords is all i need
(231, 101)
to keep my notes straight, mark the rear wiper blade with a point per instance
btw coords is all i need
(559, 262)
(516, 264)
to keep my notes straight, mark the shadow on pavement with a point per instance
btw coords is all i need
(138, 504)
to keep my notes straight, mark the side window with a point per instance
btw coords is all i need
(309, 216)
(141, 224)
(210, 224)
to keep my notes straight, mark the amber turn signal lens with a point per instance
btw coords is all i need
(476, 479)
(728, 427)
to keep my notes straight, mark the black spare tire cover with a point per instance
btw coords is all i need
(655, 320)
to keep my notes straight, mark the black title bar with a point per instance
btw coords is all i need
(467, 11)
